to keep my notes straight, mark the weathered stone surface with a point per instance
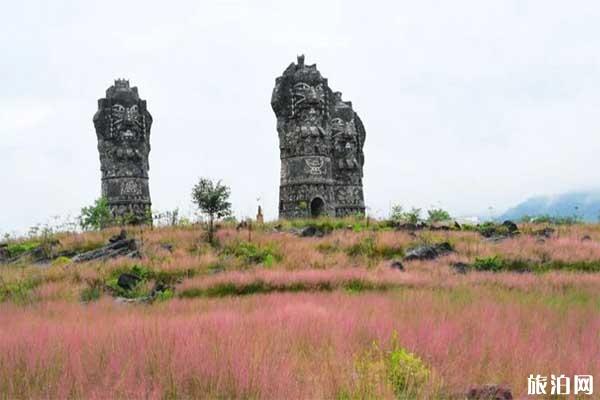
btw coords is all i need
(396, 264)
(460, 267)
(545, 232)
(128, 281)
(489, 392)
(119, 245)
(123, 126)
(428, 252)
(320, 141)
(311, 231)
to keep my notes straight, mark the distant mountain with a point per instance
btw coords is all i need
(584, 204)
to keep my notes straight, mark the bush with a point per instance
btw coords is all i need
(17, 249)
(97, 216)
(377, 371)
(398, 214)
(437, 215)
(406, 372)
(494, 264)
(369, 248)
(250, 253)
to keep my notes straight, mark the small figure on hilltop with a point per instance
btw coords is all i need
(259, 216)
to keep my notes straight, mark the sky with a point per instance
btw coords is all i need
(471, 106)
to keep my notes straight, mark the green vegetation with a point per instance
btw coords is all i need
(555, 220)
(397, 369)
(20, 248)
(369, 247)
(499, 264)
(399, 215)
(96, 216)
(251, 253)
(437, 215)
(212, 198)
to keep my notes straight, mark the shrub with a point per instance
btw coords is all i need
(212, 198)
(494, 264)
(398, 214)
(17, 249)
(397, 369)
(91, 293)
(251, 253)
(405, 372)
(369, 248)
(437, 214)
(96, 216)
(62, 260)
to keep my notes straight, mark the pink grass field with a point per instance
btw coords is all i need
(477, 328)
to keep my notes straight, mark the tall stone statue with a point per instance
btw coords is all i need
(123, 125)
(320, 141)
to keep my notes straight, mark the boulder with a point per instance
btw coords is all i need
(396, 264)
(119, 245)
(586, 238)
(428, 252)
(460, 267)
(128, 281)
(546, 232)
(511, 226)
(489, 392)
(311, 231)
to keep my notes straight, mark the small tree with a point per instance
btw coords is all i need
(213, 200)
(437, 215)
(398, 214)
(97, 216)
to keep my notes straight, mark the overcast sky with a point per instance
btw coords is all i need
(467, 104)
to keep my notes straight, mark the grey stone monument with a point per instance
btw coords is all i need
(123, 125)
(320, 141)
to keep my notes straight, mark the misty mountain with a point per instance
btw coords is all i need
(583, 204)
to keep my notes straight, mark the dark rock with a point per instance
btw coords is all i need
(160, 287)
(321, 142)
(397, 265)
(116, 238)
(128, 281)
(546, 232)
(311, 231)
(489, 392)
(586, 238)
(460, 267)
(123, 125)
(511, 226)
(409, 226)
(4, 254)
(496, 238)
(428, 252)
(167, 246)
(119, 247)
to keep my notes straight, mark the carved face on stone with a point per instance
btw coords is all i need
(307, 94)
(126, 121)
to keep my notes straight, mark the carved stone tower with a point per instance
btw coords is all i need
(320, 142)
(123, 125)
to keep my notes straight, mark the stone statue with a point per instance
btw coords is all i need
(123, 125)
(320, 141)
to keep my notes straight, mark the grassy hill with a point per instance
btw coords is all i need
(271, 314)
